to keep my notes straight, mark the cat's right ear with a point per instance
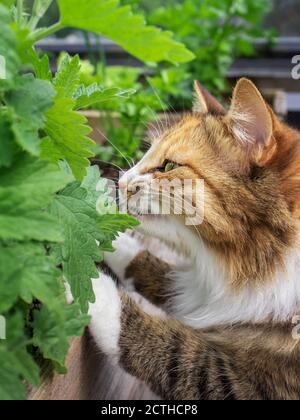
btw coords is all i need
(205, 102)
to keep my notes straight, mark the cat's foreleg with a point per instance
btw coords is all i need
(139, 270)
(178, 362)
(147, 347)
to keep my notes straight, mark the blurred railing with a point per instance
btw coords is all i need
(271, 69)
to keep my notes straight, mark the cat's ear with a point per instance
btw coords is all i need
(249, 115)
(205, 102)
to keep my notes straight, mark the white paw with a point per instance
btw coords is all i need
(126, 249)
(105, 315)
(68, 293)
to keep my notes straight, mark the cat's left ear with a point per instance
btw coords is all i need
(205, 102)
(251, 121)
(250, 116)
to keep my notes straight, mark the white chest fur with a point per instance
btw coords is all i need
(203, 296)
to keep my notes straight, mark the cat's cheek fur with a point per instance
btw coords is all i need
(105, 315)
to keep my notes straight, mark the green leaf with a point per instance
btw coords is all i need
(28, 102)
(7, 3)
(94, 94)
(112, 224)
(27, 272)
(75, 208)
(8, 49)
(67, 137)
(24, 194)
(66, 129)
(12, 387)
(107, 18)
(79, 252)
(66, 80)
(15, 362)
(41, 66)
(52, 332)
(6, 141)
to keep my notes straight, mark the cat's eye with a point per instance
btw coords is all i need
(170, 166)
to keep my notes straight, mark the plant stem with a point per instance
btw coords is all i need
(45, 32)
(39, 9)
(19, 12)
(34, 18)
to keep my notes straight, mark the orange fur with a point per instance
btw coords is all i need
(252, 183)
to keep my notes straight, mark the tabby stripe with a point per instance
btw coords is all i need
(173, 369)
(227, 386)
(203, 384)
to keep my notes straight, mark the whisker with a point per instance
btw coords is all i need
(115, 147)
(110, 163)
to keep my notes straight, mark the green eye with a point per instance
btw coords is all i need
(170, 166)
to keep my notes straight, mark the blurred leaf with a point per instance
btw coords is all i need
(16, 365)
(28, 102)
(24, 193)
(107, 18)
(52, 332)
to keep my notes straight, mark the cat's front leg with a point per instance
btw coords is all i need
(106, 316)
(127, 248)
(139, 270)
(178, 362)
(145, 346)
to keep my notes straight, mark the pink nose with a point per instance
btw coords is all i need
(122, 185)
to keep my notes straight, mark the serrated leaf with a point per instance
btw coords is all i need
(27, 272)
(79, 252)
(67, 137)
(28, 102)
(111, 225)
(75, 208)
(106, 17)
(67, 77)
(24, 195)
(94, 94)
(52, 333)
(15, 362)
(41, 66)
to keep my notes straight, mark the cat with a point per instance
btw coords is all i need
(230, 298)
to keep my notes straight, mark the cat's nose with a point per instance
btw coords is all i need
(123, 181)
(122, 184)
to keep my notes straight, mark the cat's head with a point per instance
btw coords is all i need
(249, 202)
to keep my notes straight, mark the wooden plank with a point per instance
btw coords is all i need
(90, 377)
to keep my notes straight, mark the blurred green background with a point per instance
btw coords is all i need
(218, 32)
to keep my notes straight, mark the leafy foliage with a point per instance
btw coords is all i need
(75, 208)
(126, 29)
(124, 137)
(24, 194)
(217, 31)
(56, 215)
(15, 361)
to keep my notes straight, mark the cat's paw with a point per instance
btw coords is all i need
(105, 315)
(126, 249)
